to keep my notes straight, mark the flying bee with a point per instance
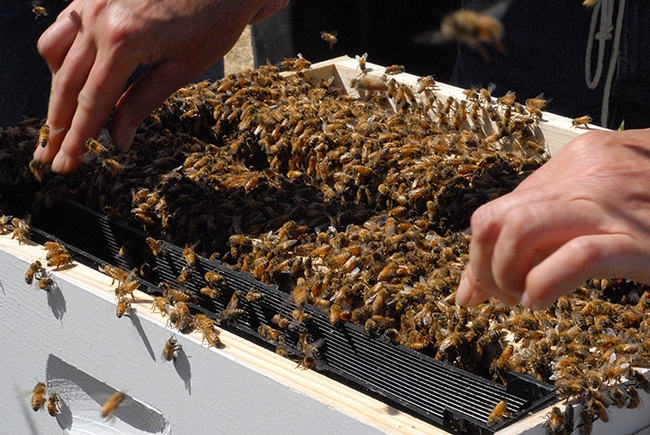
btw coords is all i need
(38, 396)
(470, 28)
(581, 122)
(171, 348)
(498, 413)
(95, 147)
(361, 60)
(330, 38)
(156, 246)
(53, 404)
(38, 11)
(112, 166)
(112, 404)
(44, 132)
(34, 268)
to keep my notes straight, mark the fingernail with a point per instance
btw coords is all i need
(38, 153)
(532, 303)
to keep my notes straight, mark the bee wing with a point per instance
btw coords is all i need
(431, 37)
(498, 10)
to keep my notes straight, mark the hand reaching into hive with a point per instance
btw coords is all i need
(584, 214)
(95, 45)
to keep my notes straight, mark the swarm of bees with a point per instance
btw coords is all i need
(356, 205)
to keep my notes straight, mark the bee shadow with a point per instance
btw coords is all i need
(182, 366)
(56, 302)
(135, 320)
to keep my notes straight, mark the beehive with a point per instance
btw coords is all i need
(189, 118)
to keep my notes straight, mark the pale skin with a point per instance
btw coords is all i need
(584, 214)
(95, 45)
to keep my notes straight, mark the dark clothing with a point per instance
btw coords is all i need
(545, 49)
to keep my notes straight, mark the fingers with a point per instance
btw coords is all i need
(511, 239)
(147, 93)
(66, 85)
(602, 255)
(528, 235)
(56, 41)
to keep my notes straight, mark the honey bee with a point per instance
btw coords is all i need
(498, 413)
(156, 246)
(214, 277)
(123, 304)
(38, 396)
(38, 11)
(298, 63)
(212, 337)
(171, 348)
(112, 166)
(394, 69)
(185, 276)
(210, 292)
(300, 293)
(254, 296)
(280, 321)
(361, 60)
(127, 288)
(33, 269)
(470, 28)
(311, 354)
(589, 3)
(59, 259)
(46, 283)
(112, 404)
(44, 132)
(161, 304)
(269, 333)
(581, 122)
(189, 254)
(95, 147)
(330, 38)
(53, 406)
(555, 421)
(21, 230)
(335, 314)
(640, 380)
(633, 398)
(115, 273)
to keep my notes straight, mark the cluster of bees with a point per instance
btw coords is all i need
(358, 205)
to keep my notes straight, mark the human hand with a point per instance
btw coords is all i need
(583, 214)
(95, 45)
